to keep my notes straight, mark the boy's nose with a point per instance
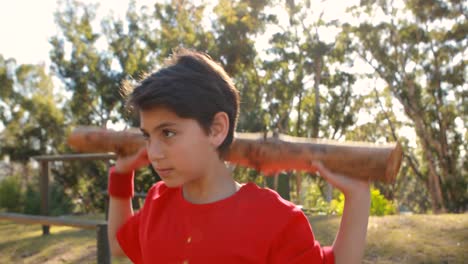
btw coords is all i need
(155, 151)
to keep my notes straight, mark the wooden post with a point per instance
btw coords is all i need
(44, 186)
(284, 186)
(106, 206)
(282, 179)
(329, 192)
(106, 195)
(298, 188)
(103, 251)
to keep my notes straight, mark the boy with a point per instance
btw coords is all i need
(198, 213)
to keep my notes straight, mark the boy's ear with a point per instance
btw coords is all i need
(219, 128)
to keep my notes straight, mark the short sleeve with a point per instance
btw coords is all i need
(128, 234)
(129, 238)
(296, 244)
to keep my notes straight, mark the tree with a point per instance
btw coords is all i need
(86, 71)
(308, 93)
(33, 122)
(419, 53)
(237, 25)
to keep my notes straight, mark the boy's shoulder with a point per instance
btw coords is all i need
(268, 198)
(250, 197)
(157, 190)
(266, 208)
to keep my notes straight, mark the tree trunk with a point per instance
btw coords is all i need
(427, 142)
(317, 112)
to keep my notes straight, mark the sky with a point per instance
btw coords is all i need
(24, 28)
(26, 25)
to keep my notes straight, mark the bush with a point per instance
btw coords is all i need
(10, 194)
(60, 202)
(314, 199)
(379, 205)
(32, 201)
(337, 205)
(15, 199)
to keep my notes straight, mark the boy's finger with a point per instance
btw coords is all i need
(143, 153)
(320, 169)
(143, 156)
(317, 166)
(314, 166)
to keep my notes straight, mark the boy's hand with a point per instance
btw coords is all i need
(346, 185)
(350, 241)
(125, 164)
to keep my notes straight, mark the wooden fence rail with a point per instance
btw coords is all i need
(50, 220)
(103, 252)
(44, 161)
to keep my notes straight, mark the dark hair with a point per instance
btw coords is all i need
(192, 85)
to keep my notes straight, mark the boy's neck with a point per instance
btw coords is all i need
(216, 185)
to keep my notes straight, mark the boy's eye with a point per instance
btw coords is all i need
(145, 136)
(168, 133)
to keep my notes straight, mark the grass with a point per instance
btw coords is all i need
(407, 238)
(21, 243)
(391, 240)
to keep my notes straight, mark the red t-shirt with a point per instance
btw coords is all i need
(254, 225)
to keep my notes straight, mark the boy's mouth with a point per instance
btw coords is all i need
(164, 172)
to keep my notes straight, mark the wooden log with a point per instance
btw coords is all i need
(267, 153)
(96, 139)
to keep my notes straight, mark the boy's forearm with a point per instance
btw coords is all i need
(120, 210)
(350, 241)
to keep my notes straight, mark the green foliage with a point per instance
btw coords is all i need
(314, 199)
(145, 178)
(14, 198)
(85, 182)
(379, 205)
(411, 192)
(60, 202)
(241, 174)
(85, 70)
(337, 205)
(32, 120)
(10, 194)
(32, 200)
(420, 60)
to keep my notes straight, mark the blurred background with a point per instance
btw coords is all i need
(371, 70)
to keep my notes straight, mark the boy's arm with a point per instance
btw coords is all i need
(350, 241)
(120, 195)
(120, 210)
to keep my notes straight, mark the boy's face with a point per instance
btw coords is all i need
(178, 148)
